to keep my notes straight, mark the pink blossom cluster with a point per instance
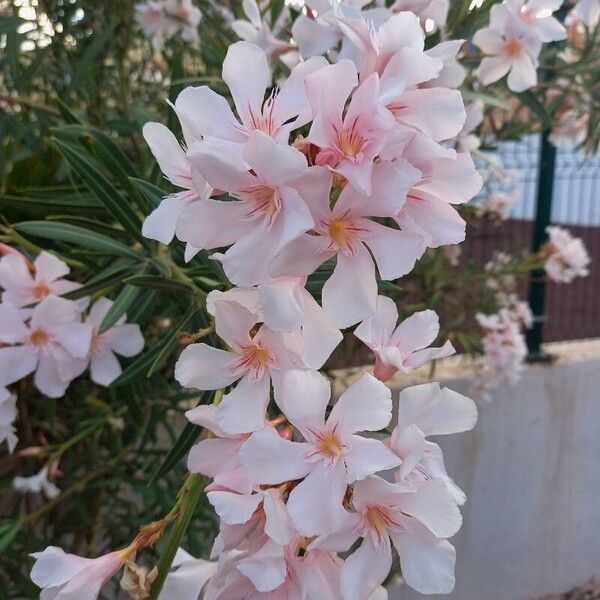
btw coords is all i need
(513, 40)
(345, 169)
(44, 334)
(504, 347)
(161, 20)
(566, 256)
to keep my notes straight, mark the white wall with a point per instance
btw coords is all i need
(531, 470)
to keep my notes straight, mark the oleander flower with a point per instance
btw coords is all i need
(64, 576)
(254, 359)
(346, 232)
(511, 47)
(332, 456)
(217, 456)
(425, 410)
(416, 519)
(54, 344)
(285, 305)
(247, 74)
(258, 31)
(347, 138)
(162, 20)
(26, 284)
(124, 339)
(402, 348)
(447, 179)
(269, 211)
(567, 257)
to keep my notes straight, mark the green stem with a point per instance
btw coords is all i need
(186, 505)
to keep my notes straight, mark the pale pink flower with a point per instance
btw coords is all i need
(246, 72)
(253, 360)
(536, 14)
(65, 576)
(285, 305)
(217, 456)
(258, 31)
(259, 525)
(396, 53)
(124, 339)
(435, 10)
(271, 561)
(8, 414)
(161, 223)
(416, 519)
(24, 285)
(504, 349)
(567, 256)
(512, 47)
(187, 578)
(453, 73)
(348, 138)
(37, 483)
(54, 345)
(332, 456)
(162, 20)
(402, 348)
(318, 30)
(447, 179)
(498, 205)
(425, 410)
(345, 231)
(270, 209)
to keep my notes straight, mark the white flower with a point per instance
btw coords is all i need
(37, 483)
(8, 414)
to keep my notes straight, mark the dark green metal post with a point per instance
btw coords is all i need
(537, 285)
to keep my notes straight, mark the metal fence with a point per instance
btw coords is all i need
(571, 311)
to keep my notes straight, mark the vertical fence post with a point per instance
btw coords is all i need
(537, 285)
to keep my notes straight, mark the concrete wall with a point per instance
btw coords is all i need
(531, 470)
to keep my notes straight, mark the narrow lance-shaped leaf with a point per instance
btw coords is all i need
(105, 191)
(78, 236)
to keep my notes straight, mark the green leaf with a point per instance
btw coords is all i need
(76, 235)
(124, 301)
(112, 276)
(103, 189)
(181, 446)
(159, 283)
(8, 532)
(171, 341)
(152, 193)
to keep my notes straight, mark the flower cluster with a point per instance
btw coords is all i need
(565, 256)
(513, 40)
(364, 182)
(47, 335)
(162, 20)
(345, 168)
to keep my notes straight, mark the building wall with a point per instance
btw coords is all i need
(531, 470)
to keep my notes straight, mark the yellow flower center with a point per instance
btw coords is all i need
(349, 141)
(39, 338)
(342, 233)
(514, 47)
(330, 445)
(40, 291)
(376, 519)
